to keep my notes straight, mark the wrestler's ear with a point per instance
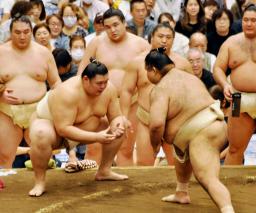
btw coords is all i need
(85, 78)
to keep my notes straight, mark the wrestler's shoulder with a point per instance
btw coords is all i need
(234, 38)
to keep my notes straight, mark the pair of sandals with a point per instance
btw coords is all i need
(76, 166)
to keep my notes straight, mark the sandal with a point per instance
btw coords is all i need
(77, 166)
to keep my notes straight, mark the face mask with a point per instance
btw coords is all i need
(77, 54)
(87, 1)
(70, 21)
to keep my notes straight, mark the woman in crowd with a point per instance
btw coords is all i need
(38, 11)
(58, 39)
(77, 48)
(210, 6)
(42, 36)
(69, 14)
(222, 20)
(193, 18)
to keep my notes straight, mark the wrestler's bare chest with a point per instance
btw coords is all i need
(242, 52)
(116, 57)
(12, 66)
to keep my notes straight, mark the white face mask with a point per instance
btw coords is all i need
(77, 54)
(88, 1)
(70, 21)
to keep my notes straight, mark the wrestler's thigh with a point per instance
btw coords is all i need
(240, 130)
(10, 135)
(204, 149)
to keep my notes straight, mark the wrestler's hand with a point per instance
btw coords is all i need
(105, 136)
(8, 98)
(228, 91)
(118, 130)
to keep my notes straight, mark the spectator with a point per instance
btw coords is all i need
(98, 27)
(58, 39)
(139, 24)
(196, 58)
(42, 35)
(180, 42)
(210, 6)
(69, 14)
(199, 40)
(63, 61)
(92, 7)
(38, 11)
(222, 21)
(77, 47)
(193, 19)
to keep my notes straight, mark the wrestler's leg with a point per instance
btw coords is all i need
(94, 150)
(183, 173)
(204, 156)
(240, 130)
(125, 153)
(108, 154)
(144, 150)
(10, 138)
(168, 153)
(43, 140)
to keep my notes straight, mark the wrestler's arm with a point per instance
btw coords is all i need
(158, 112)
(63, 107)
(128, 87)
(220, 68)
(53, 77)
(89, 52)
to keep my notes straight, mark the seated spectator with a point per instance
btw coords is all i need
(42, 35)
(38, 11)
(199, 40)
(63, 61)
(77, 47)
(237, 10)
(210, 6)
(58, 39)
(98, 27)
(222, 21)
(156, 7)
(180, 42)
(92, 7)
(69, 14)
(139, 24)
(196, 58)
(193, 19)
(124, 6)
(5, 9)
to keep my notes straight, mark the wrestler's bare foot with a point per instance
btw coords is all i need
(38, 190)
(178, 197)
(110, 176)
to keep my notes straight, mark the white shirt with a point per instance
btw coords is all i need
(170, 6)
(180, 44)
(96, 7)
